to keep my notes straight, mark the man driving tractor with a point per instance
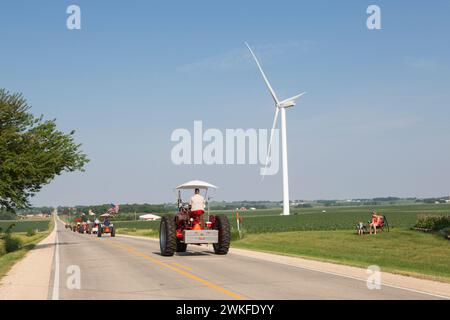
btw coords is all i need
(197, 203)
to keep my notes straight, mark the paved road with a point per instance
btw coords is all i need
(130, 268)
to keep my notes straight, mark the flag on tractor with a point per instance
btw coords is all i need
(114, 209)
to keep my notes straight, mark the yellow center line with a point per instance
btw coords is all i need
(182, 266)
(178, 269)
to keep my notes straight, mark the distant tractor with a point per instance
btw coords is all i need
(85, 228)
(76, 227)
(95, 226)
(106, 227)
(191, 227)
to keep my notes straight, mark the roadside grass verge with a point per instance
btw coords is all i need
(151, 233)
(404, 251)
(7, 260)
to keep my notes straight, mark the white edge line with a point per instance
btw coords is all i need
(55, 294)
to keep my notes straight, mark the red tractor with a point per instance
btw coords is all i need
(95, 226)
(77, 225)
(190, 226)
(86, 227)
(106, 227)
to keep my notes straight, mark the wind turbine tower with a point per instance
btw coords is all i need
(280, 107)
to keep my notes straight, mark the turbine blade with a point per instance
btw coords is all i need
(275, 118)
(293, 98)
(272, 92)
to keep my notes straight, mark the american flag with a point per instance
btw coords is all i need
(114, 209)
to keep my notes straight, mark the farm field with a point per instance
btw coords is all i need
(24, 225)
(385, 209)
(310, 219)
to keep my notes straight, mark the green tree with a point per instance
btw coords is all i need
(32, 152)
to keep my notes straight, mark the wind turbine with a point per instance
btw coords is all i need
(280, 107)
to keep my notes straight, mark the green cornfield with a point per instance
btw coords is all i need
(140, 225)
(23, 226)
(317, 218)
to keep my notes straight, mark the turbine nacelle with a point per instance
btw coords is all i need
(286, 104)
(289, 102)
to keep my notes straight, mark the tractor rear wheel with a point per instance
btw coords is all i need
(113, 232)
(181, 247)
(168, 236)
(223, 226)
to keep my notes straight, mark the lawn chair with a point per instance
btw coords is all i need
(385, 224)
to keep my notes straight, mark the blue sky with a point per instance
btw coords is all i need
(375, 121)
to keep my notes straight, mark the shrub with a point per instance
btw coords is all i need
(433, 222)
(6, 215)
(445, 232)
(12, 243)
(2, 248)
(235, 234)
(31, 232)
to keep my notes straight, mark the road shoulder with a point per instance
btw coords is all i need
(29, 279)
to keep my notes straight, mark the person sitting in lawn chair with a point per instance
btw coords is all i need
(377, 221)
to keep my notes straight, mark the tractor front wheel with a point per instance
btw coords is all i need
(168, 236)
(223, 226)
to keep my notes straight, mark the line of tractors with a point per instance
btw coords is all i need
(96, 227)
(176, 232)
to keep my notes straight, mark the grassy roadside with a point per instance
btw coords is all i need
(404, 251)
(28, 243)
(151, 233)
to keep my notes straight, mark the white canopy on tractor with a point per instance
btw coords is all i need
(194, 184)
(149, 216)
